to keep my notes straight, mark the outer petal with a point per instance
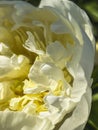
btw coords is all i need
(81, 28)
(70, 10)
(83, 57)
(22, 121)
(82, 61)
(79, 117)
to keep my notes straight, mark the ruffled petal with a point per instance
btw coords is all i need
(60, 35)
(13, 67)
(45, 72)
(59, 53)
(76, 119)
(22, 121)
(71, 11)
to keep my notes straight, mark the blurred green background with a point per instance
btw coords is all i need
(91, 8)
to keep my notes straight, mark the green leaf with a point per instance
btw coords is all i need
(92, 9)
(95, 97)
(95, 80)
(94, 113)
(93, 119)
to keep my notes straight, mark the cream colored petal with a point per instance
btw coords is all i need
(32, 45)
(32, 88)
(5, 50)
(18, 9)
(89, 53)
(71, 11)
(13, 67)
(83, 56)
(58, 107)
(5, 92)
(80, 84)
(60, 27)
(76, 119)
(59, 53)
(5, 65)
(45, 73)
(21, 121)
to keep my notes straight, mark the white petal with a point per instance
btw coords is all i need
(5, 65)
(83, 56)
(87, 57)
(13, 67)
(45, 72)
(80, 85)
(59, 27)
(32, 45)
(5, 92)
(58, 53)
(35, 89)
(58, 107)
(5, 50)
(79, 116)
(66, 7)
(21, 121)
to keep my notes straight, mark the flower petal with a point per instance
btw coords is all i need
(58, 53)
(76, 119)
(66, 45)
(45, 72)
(83, 56)
(22, 121)
(69, 9)
(10, 67)
(33, 45)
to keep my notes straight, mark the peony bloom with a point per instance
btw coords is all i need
(46, 61)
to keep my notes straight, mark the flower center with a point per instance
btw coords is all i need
(14, 98)
(13, 90)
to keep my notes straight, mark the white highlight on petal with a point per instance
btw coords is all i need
(33, 45)
(22, 121)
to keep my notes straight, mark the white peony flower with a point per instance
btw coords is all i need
(46, 61)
